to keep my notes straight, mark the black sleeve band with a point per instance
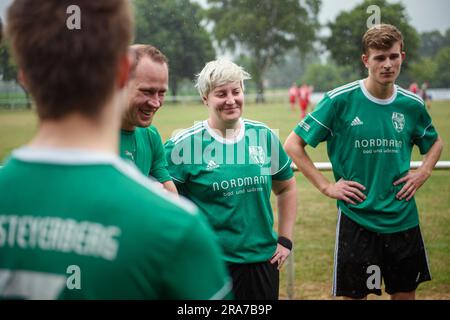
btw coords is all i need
(285, 242)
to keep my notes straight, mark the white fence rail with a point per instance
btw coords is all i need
(15, 98)
(281, 97)
(326, 166)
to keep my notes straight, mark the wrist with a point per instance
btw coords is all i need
(285, 242)
(324, 189)
(426, 171)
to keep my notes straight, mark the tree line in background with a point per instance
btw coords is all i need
(426, 53)
(278, 42)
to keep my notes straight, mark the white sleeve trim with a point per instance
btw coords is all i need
(321, 124)
(425, 131)
(282, 167)
(180, 181)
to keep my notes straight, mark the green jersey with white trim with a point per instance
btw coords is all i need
(144, 147)
(370, 141)
(84, 225)
(231, 182)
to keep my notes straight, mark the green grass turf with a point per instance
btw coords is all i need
(316, 220)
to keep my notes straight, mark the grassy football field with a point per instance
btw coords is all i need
(317, 216)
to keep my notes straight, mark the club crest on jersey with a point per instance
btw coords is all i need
(398, 120)
(257, 155)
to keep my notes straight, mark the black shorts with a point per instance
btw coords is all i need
(255, 281)
(364, 259)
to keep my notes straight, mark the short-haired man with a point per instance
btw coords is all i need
(140, 141)
(76, 221)
(370, 127)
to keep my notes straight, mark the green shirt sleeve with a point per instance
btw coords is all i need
(318, 125)
(158, 168)
(174, 158)
(424, 134)
(200, 257)
(280, 160)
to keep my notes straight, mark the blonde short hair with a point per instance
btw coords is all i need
(217, 73)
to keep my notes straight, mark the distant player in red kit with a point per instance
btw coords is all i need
(293, 92)
(304, 96)
(414, 87)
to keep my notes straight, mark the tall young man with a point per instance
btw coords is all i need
(76, 222)
(140, 141)
(370, 127)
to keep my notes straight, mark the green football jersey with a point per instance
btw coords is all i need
(144, 147)
(370, 141)
(84, 225)
(231, 182)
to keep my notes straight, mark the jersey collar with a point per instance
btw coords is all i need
(221, 139)
(64, 156)
(376, 100)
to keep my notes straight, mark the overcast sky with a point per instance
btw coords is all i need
(425, 15)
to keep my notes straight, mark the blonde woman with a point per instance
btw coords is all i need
(228, 166)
